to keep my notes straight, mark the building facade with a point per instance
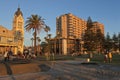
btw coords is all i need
(69, 32)
(70, 26)
(96, 26)
(13, 39)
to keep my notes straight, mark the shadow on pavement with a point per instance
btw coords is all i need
(44, 68)
(9, 70)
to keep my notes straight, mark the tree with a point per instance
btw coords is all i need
(89, 23)
(115, 41)
(49, 42)
(89, 36)
(119, 41)
(47, 49)
(35, 23)
(47, 29)
(32, 39)
(119, 35)
(108, 42)
(38, 40)
(114, 38)
(99, 40)
(47, 39)
(49, 35)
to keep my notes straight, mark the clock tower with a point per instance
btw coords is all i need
(18, 31)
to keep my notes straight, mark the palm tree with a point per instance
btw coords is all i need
(47, 29)
(35, 23)
(32, 39)
(39, 40)
(38, 44)
(49, 36)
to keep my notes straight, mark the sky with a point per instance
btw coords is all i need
(106, 12)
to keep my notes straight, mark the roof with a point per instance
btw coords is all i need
(2, 27)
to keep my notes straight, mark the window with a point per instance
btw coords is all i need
(3, 31)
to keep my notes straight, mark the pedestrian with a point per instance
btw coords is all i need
(10, 54)
(110, 56)
(6, 56)
(105, 57)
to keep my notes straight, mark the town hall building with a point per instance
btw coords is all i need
(13, 39)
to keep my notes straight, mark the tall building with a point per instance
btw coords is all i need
(13, 39)
(70, 30)
(70, 26)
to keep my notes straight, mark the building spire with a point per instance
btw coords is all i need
(18, 12)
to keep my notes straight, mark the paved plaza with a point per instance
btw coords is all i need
(58, 70)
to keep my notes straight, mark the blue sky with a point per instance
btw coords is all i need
(106, 12)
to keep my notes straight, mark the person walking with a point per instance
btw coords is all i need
(6, 55)
(10, 54)
(105, 57)
(110, 56)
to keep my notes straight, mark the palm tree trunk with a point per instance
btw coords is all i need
(35, 34)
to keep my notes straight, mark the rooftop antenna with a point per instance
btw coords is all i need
(18, 6)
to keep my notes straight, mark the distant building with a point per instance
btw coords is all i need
(97, 25)
(13, 39)
(69, 33)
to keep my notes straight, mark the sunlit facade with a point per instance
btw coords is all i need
(97, 25)
(70, 26)
(70, 30)
(13, 39)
